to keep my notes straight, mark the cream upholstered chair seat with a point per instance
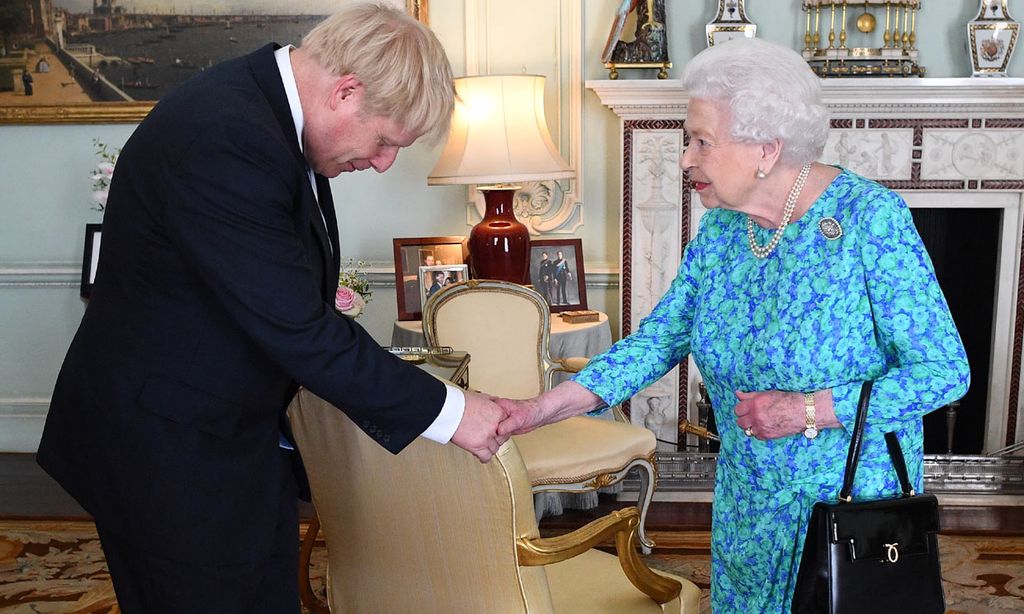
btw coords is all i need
(433, 530)
(581, 449)
(505, 327)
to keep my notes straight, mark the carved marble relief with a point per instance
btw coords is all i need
(655, 250)
(657, 409)
(962, 154)
(879, 154)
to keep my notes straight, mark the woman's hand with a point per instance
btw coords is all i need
(773, 414)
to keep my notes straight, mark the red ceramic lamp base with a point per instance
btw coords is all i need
(499, 246)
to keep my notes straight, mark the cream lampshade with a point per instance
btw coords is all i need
(498, 137)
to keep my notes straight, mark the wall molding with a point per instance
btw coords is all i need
(600, 275)
(40, 274)
(21, 423)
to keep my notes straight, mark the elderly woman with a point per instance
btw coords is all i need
(804, 281)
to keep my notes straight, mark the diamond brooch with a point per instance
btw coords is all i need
(830, 228)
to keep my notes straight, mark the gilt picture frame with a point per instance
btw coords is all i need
(102, 64)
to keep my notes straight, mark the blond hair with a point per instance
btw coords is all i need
(402, 65)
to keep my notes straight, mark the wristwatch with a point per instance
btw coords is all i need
(812, 429)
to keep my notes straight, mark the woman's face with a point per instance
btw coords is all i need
(720, 169)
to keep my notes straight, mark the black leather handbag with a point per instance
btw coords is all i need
(875, 557)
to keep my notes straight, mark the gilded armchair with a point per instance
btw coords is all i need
(433, 530)
(505, 327)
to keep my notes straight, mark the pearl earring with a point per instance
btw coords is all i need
(760, 174)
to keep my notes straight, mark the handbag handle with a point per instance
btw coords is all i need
(853, 455)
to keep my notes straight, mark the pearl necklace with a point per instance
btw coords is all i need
(762, 252)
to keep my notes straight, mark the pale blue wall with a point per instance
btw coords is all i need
(45, 182)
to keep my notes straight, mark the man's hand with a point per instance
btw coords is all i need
(478, 431)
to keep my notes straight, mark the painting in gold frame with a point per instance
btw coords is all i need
(104, 65)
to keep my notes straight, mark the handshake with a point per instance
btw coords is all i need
(489, 421)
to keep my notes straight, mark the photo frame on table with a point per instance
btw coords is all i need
(91, 257)
(411, 253)
(434, 278)
(556, 271)
(113, 69)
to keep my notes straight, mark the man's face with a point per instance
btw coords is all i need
(342, 139)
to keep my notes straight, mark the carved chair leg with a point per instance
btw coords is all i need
(648, 481)
(306, 594)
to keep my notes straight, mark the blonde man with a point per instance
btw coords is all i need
(213, 304)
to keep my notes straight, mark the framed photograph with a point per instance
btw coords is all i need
(413, 253)
(556, 271)
(90, 258)
(107, 62)
(434, 278)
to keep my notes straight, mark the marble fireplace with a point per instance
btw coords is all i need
(953, 145)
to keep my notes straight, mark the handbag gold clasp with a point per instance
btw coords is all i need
(892, 553)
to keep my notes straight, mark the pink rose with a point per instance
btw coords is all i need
(348, 301)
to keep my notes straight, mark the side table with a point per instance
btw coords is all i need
(567, 340)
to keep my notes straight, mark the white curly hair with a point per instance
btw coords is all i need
(770, 92)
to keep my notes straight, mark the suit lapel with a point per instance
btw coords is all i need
(268, 77)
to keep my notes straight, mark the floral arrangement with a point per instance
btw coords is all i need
(353, 289)
(103, 173)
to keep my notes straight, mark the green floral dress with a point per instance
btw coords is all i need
(816, 314)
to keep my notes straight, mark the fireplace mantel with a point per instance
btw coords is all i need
(958, 142)
(666, 98)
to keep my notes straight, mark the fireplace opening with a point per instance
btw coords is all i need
(963, 245)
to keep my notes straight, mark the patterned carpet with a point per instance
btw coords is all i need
(57, 567)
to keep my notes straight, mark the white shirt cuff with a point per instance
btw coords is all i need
(444, 426)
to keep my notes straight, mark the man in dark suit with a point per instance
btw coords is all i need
(213, 303)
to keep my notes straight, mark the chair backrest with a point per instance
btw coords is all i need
(429, 529)
(505, 328)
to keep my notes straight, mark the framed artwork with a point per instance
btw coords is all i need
(556, 271)
(413, 253)
(90, 258)
(434, 278)
(109, 62)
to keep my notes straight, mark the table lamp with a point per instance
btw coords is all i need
(499, 137)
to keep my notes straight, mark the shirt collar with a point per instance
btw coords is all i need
(284, 65)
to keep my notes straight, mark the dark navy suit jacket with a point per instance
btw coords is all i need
(212, 304)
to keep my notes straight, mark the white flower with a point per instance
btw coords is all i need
(102, 175)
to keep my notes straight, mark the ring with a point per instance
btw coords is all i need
(749, 431)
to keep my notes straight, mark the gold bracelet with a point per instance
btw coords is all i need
(811, 416)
